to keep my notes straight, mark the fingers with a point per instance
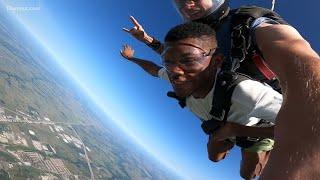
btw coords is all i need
(126, 51)
(126, 46)
(124, 55)
(122, 50)
(137, 26)
(121, 53)
(135, 22)
(126, 30)
(132, 31)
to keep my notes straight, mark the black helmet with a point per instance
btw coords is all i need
(191, 10)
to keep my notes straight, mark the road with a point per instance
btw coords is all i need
(85, 152)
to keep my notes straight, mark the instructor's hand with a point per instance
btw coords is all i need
(138, 32)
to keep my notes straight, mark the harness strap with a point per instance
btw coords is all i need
(263, 68)
(229, 95)
(181, 101)
(225, 85)
(242, 46)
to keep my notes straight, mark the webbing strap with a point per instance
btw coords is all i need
(263, 68)
(229, 94)
(181, 101)
(225, 85)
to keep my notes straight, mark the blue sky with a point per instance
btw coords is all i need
(85, 37)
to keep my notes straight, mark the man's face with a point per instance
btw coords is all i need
(187, 63)
(193, 9)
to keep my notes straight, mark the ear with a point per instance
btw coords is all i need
(217, 59)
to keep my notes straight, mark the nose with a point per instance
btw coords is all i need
(175, 70)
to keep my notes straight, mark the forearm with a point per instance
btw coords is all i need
(297, 67)
(155, 45)
(148, 66)
(249, 131)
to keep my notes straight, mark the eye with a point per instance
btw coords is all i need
(168, 63)
(188, 61)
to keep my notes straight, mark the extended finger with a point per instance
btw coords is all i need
(128, 46)
(134, 21)
(126, 30)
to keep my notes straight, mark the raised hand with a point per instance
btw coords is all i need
(138, 32)
(127, 52)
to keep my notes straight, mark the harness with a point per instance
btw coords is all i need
(245, 57)
(221, 103)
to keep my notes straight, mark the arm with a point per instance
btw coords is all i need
(234, 129)
(150, 67)
(298, 125)
(139, 33)
(264, 132)
(283, 48)
(251, 131)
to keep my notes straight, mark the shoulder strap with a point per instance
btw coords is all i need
(255, 12)
(241, 42)
(181, 101)
(224, 87)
